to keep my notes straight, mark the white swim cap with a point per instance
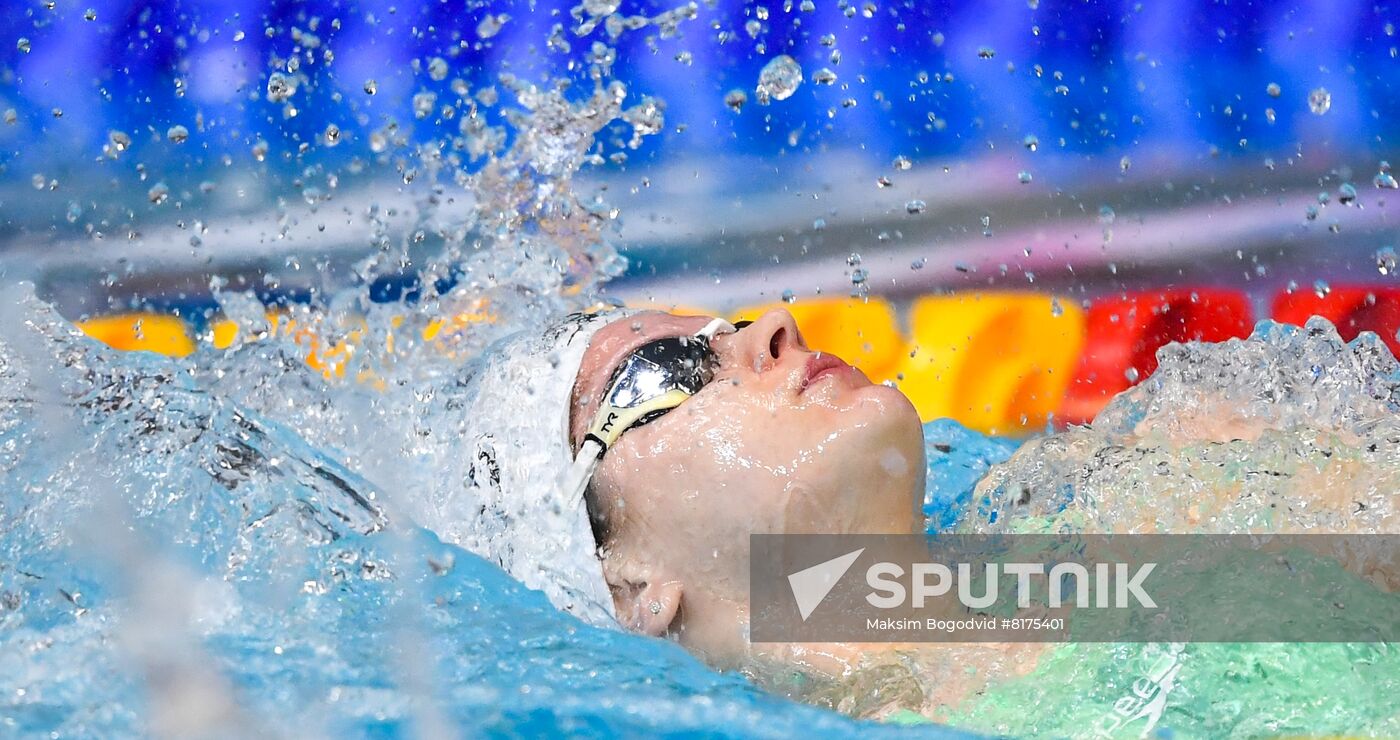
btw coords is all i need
(516, 454)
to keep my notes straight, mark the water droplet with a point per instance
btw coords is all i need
(371, 87)
(1321, 289)
(118, 141)
(177, 134)
(823, 76)
(1024, 177)
(239, 35)
(918, 264)
(280, 87)
(1125, 164)
(735, 99)
(423, 104)
(38, 181)
(1319, 101)
(1310, 213)
(601, 7)
(74, 212)
(778, 79)
(11, 116)
(158, 193)
(915, 207)
(260, 148)
(883, 182)
(789, 296)
(902, 163)
(1132, 374)
(1384, 179)
(1346, 194)
(1056, 309)
(437, 69)
(859, 276)
(807, 6)
(986, 52)
(1031, 142)
(1106, 215)
(1386, 260)
(753, 28)
(1273, 90)
(332, 135)
(23, 45)
(491, 25)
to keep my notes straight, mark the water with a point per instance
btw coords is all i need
(174, 562)
(240, 542)
(201, 544)
(779, 79)
(1291, 430)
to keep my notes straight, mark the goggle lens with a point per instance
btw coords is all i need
(684, 363)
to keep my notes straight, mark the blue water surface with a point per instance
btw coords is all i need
(190, 566)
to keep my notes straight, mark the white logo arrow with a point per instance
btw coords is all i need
(811, 585)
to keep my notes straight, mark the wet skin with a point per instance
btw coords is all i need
(783, 440)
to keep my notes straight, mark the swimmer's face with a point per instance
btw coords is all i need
(783, 440)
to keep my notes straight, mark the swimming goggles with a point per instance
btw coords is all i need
(654, 379)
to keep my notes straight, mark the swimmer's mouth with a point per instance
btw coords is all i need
(821, 365)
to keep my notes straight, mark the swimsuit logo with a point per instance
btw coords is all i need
(1147, 698)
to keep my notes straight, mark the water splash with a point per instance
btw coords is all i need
(1290, 430)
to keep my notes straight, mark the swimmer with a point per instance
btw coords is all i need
(681, 437)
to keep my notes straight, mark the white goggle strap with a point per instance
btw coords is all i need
(576, 482)
(714, 327)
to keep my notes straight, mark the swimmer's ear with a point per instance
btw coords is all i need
(645, 601)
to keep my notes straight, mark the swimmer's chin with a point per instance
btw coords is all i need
(893, 399)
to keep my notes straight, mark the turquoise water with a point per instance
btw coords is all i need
(176, 559)
(171, 561)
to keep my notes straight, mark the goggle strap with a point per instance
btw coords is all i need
(581, 471)
(609, 428)
(714, 327)
(613, 421)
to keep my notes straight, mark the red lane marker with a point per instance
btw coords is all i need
(1123, 334)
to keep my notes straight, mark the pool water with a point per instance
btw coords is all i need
(238, 543)
(175, 561)
(172, 562)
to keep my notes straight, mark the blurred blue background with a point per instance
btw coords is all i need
(927, 78)
(1033, 110)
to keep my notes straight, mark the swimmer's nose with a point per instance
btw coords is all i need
(764, 343)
